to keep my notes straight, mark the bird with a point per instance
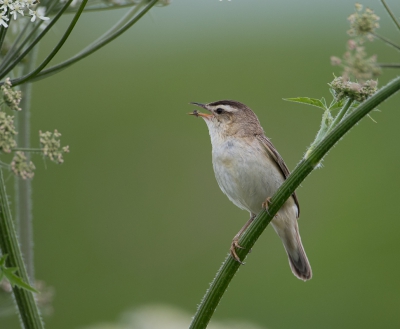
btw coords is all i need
(249, 170)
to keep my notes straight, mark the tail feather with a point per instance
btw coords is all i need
(288, 231)
(298, 261)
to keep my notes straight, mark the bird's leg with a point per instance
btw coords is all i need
(235, 241)
(266, 204)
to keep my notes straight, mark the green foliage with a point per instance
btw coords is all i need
(9, 274)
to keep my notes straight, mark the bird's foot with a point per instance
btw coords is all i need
(266, 203)
(235, 245)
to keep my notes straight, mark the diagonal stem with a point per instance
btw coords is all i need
(18, 59)
(229, 267)
(386, 40)
(46, 61)
(391, 14)
(89, 51)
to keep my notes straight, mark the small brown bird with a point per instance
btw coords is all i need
(249, 170)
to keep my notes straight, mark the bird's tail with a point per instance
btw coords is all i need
(290, 237)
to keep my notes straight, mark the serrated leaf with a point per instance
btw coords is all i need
(16, 280)
(308, 101)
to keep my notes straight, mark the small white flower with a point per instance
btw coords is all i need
(3, 18)
(38, 13)
(18, 8)
(6, 4)
(29, 3)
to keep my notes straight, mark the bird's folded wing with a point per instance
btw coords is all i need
(281, 164)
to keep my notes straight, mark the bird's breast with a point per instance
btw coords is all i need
(245, 172)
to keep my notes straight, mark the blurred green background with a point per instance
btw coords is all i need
(135, 216)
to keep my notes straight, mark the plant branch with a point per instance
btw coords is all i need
(18, 59)
(389, 65)
(24, 299)
(23, 187)
(27, 149)
(302, 170)
(386, 40)
(341, 114)
(46, 61)
(391, 14)
(97, 45)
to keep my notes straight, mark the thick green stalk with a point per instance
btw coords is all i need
(28, 310)
(302, 170)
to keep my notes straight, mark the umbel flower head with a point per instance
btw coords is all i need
(362, 24)
(51, 146)
(7, 132)
(12, 98)
(347, 89)
(21, 167)
(14, 8)
(356, 64)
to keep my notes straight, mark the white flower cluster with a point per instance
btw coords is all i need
(14, 7)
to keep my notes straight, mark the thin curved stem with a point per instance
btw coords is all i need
(85, 53)
(302, 170)
(27, 149)
(12, 52)
(386, 40)
(389, 65)
(64, 38)
(391, 14)
(34, 42)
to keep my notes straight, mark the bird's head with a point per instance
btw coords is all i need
(229, 118)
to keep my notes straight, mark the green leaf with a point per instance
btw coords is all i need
(15, 280)
(308, 101)
(3, 260)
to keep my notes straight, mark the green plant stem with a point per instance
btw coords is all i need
(59, 45)
(391, 14)
(389, 65)
(23, 187)
(32, 27)
(88, 51)
(386, 40)
(3, 31)
(302, 170)
(27, 149)
(16, 60)
(341, 114)
(24, 299)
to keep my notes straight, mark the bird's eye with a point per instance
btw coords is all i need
(219, 110)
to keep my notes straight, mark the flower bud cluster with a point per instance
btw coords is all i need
(51, 146)
(7, 132)
(347, 89)
(362, 24)
(21, 167)
(356, 64)
(12, 98)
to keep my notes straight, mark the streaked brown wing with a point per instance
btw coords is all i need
(282, 165)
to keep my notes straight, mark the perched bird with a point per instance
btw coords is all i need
(249, 170)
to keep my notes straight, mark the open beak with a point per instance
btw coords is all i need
(199, 114)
